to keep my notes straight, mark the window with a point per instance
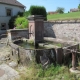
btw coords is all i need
(3, 26)
(8, 12)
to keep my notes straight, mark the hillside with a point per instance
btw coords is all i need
(73, 15)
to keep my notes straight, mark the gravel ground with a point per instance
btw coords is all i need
(9, 73)
(4, 50)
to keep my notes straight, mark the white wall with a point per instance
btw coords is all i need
(4, 20)
(3, 17)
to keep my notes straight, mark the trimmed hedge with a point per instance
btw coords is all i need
(38, 10)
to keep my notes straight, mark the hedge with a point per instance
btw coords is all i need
(38, 10)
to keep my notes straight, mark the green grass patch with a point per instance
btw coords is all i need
(65, 16)
(36, 72)
(54, 43)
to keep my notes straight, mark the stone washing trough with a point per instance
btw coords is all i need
(46, 50)
(52, 50)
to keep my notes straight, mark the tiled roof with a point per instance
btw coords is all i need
(12, 2)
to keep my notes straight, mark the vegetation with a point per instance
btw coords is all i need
(38, 10)
(21, 23)
(20, 14)
(26, 14)
(73, 15)
(60, 10)
(79, 7)
(36, 72)
(11, 22)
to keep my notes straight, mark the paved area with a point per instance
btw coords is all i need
(4, 53)
(3, 41)
(7, 73)
(4, 49)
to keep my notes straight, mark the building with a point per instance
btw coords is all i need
(74, 10)
(8, 8)
(52, 12)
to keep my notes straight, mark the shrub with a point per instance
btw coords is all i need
(11, 22)
(20, 14)
(26, 14)
(38, 10)
(21, 23)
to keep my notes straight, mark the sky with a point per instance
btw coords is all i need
(51, 5)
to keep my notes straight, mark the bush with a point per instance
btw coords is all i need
(26, 14)
(11, 22)
(20, 14)
(21, 23)
(38, 10)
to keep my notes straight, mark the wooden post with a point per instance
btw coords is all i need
(73, 60)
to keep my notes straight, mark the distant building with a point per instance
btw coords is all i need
(52, 12)
(9, 8)
(74, 10)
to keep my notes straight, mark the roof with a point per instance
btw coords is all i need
(74, 10)
(12, 2)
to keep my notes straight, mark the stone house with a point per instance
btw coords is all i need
(74, 10)
(53, 12)
(9, 8)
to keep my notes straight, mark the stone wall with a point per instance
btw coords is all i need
(67, 29)
(14, 34)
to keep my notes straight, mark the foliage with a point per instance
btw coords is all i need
(20, 14)
(21, 23)
(38, 10)
(57, 72)
(65, 16)
(34, 10)
(79, 7)
(26, 13)
(52, 70)
(60, 10)
(11, 22)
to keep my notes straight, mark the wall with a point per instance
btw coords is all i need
(3, 17)
(67, 29)
(17, 34)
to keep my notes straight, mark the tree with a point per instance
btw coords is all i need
(79, 7)
(60, 10)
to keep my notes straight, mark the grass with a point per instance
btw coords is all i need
(54, 43)
(36, 72)
(65, 16)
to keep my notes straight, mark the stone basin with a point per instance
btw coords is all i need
(24, 53)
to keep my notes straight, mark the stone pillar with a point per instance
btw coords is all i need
(36, 28)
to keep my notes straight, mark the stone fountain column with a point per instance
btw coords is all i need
(36, 28)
